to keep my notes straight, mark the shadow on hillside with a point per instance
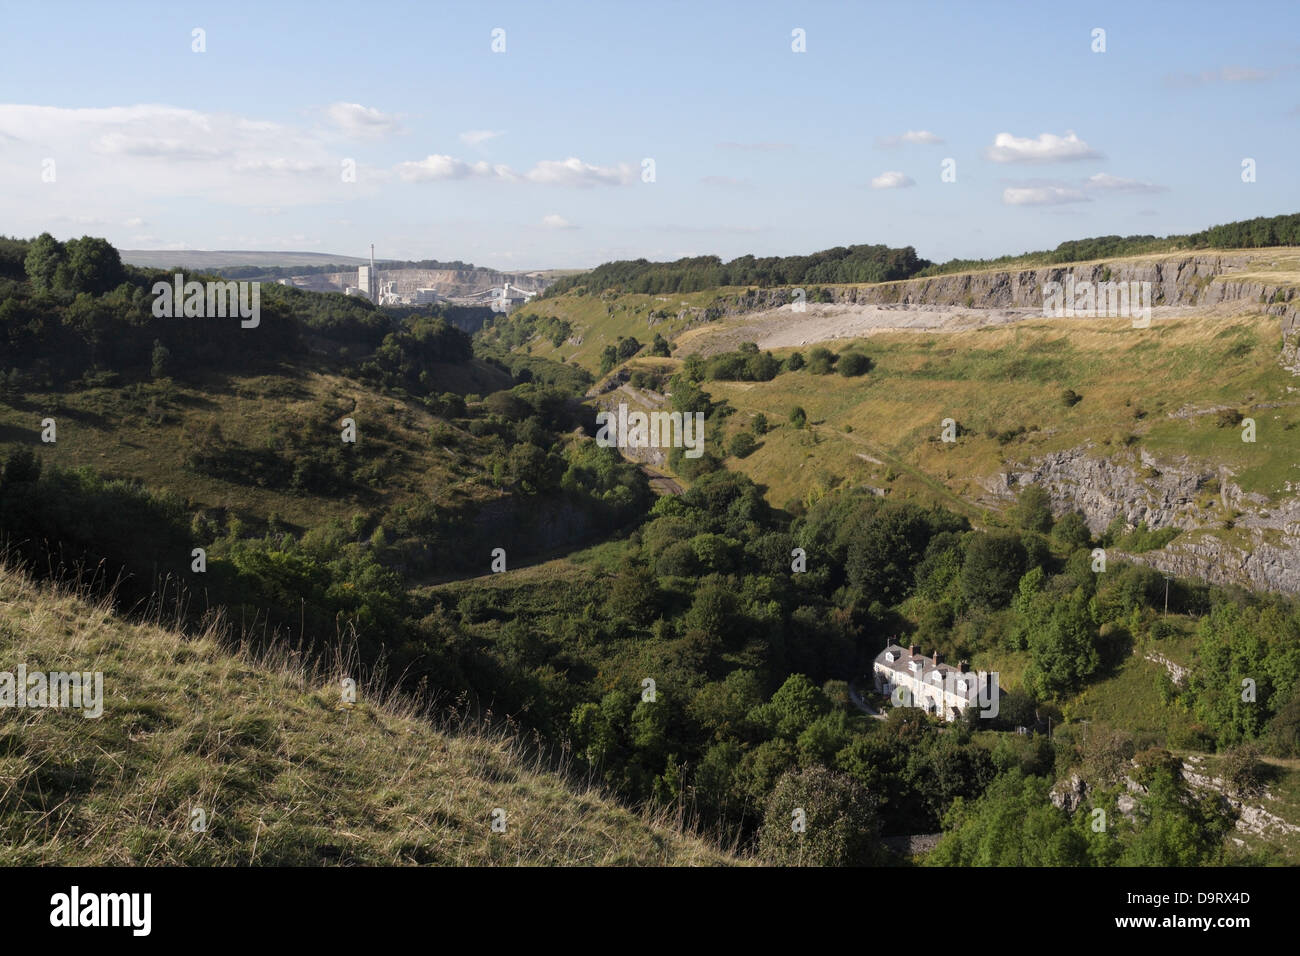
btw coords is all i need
(18, 435)
(187, 400)
(82, 416)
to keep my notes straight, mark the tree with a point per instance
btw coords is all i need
(1175, 827)
(794, 705)
(1072, 531)
(1284, 728)
(634, 595)
(507, 405)
(44, 258)
(839, 824)
(883, 555)
(760, 424)
(608, 359)
(659, 346)
(1062, 643)
(1012, 824)
(93, 265)
(798, 417)
(1033, 510)
(993, 567)
(795, 361)
(531, 467)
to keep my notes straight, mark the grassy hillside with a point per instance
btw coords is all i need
(145, 431)
(286, 773)
(1159, 390)
(601, 320)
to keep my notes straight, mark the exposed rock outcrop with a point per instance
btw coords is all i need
(1191, 279)
(1164, 494)
(1251, 818)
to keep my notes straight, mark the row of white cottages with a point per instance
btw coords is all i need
(925, 682)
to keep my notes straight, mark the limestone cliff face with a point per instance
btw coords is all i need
(1164, 494)
(1183, 280)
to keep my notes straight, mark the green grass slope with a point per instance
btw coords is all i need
(285, 772)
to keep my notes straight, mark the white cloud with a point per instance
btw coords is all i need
(278, 164)
(364, 122)
(556, 221)
(568, 172)
(1105, 181)
(1047, 148)
(476, 137)
(437, 167)
(1042, 195)
(153, 147)
(116, 159)
(574, 172)
(135, 222)
(892, 179)
(919, 137)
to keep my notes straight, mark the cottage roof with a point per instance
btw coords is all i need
(902, 661)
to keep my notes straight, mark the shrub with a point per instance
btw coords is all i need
(1243, 771)
(741, 445)
(1229, 418)
(852, 364)
(798, 417)
(821, 361)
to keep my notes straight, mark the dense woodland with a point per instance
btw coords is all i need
(751, 659)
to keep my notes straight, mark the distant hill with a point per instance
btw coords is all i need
(223, 258)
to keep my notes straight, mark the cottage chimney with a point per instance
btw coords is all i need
(935, 659)
(911, 649)
(961, 667)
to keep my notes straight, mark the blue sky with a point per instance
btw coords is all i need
(533, 157)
